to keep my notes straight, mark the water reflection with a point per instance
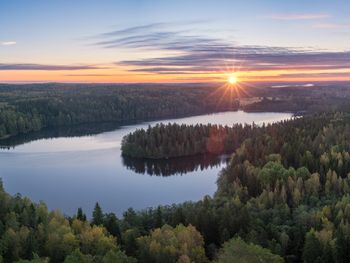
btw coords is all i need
(50, 133)
(74, 167)
(174, 166)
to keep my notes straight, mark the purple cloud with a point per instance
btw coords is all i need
(6, 66)
(202, 54)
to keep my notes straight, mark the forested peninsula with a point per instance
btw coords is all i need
(173, 140)
(283, 197)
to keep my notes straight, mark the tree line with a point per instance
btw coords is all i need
(25, 108)
(32, 107)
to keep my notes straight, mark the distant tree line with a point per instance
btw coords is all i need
(31, 107)
(25, 108)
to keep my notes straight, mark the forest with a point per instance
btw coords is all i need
(174, 140)
(31, 107)
(25, 108)
(283, 197)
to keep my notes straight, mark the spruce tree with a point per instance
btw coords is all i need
(97, 215)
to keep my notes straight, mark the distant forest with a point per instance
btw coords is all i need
(283, 197)
(25, 108)
(31, 107)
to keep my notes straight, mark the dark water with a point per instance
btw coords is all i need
(68, 171)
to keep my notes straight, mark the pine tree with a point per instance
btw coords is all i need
(97, 215)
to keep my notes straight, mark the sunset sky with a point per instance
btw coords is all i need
(174, 41)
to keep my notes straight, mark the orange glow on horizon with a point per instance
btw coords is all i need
(122, 75)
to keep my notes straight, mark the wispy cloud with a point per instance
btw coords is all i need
(332, 26)
(197, 54)
(7, 66)
(90, 75)
(98, 75)
(134, 29)
(153, 26)
(8, 43)
(295, 16)
(164, 35)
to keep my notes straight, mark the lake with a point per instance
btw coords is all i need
(67, 171)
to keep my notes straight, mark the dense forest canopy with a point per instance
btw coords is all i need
(174, 140)
(283, 197)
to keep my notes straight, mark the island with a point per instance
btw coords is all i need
(171, 140)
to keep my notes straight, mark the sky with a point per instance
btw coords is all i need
(171, 41)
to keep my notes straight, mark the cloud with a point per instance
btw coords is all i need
(6, 66)
(8, 43)
(194, 53)
(162, 34)
(295, 16)
(98, 75)
(150, 27)
(89, 75)
(331, 26)
(200, 54)
(322, 74)
(131, 30)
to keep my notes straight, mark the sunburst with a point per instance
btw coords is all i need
(233, 88)
(232, 79)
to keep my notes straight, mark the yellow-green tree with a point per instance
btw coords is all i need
(168, 245)
(236, 250)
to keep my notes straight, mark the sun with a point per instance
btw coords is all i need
(232, 79)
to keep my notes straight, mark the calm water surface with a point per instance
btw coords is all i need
(71, 172)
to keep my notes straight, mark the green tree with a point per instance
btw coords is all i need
(77, 257)
(129, 239)
(167, 244)
(97, 215)
(112, 225)
(36, 259)
(312, 250)
(81, 215)
(117, 256)
(236, 250)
